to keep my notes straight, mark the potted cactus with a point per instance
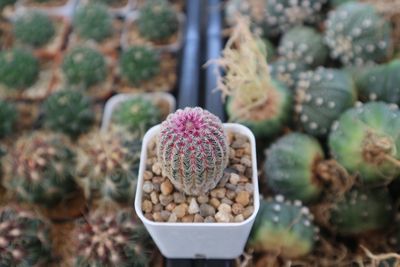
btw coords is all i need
(116, 7)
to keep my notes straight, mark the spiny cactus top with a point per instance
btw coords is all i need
(34, 28)
(287, 71)
(93, 22)
(19, 69)
(24, 239)
(357, 35)
(8, 118)
(193, 150)
(157, 20)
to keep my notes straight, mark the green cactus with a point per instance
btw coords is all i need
(287, 71)
(139, 63)
(40, 169)
(303, 44)
(362, 211)
(69, 112)
(19, 69)
(366, 142)
(4, 3)
(34, 28)
(157, 20)
(8, 118)
(321, 97)
(283, 228)
(84, 66)
(24, 239)
(269, 48)
(93, 22)
(357, 35)
(336, 3)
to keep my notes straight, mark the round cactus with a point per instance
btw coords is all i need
(69, 112)
(366, 141)
(24, 239)
(287, 71)
(139, 63)
(40, 169)
(34, 28)
(84, 66)
(357, 35)
(321, 97)
(93, 22)
(283, 227)
(361, 211)
(8, 118)
(19, 69)
(113, 239)
(193, 150)
(305, 45)
(158, 20)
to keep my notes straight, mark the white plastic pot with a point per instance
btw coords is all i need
(199, 240)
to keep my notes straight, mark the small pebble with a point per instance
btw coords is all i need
(234, 179)
(166, 187)
(240, 168)
(193, 207)
(202, 199)
(209, 219)
(188, 218)
(247, 149)
(218, 192)
(157, 207)
(239, 152)
(147, 175)
(157, 188)
(165, 214)
(238, 218)
(147, 206)
(243, 198)
(238, 143)
(154, 197)
(249, 188)
(179, 197)
(248, 172)
(149, 216)
(246, 161)
(225, 208)
(172, 218)
(198, 218)
(165, 200)
(157, 168)
(237, 208)
(243, 179)
(215, 202)
(231, 194)
(157, 217)
(180, 210)
(231, 187)
(227, 201)
(207, 210)
(222, 217)
(158, 180)
(147, 187)
(170, 206)
(248, 212)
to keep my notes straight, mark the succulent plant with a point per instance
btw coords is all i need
(193, 150)
(362, 211)
(139, 63)
(68, 111)
(303, 44)
(111, 240)
(157, 20)
(34, 28)
(4, 3)
(366, 141)
(93, 22)
(269, 48)
(321, 97)
(19, 69)
(24, 239)
(357, 35)
(40, 169)
(84, 66)
(284, 228)
(287, 71)
(8, 118)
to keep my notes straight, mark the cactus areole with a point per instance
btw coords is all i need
(193, 150)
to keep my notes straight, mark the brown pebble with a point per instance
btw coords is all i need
(170, 206)
(193, 206)
(188, 218)
(157, 217)
(209, 219)
(149, 216)
(165, 214)
(173, 218)
(227, 201)
(147, 187)
(243, 179)
(248, 172)
(239, 167)
(154, 197)
(147, 206)
(218, 192)
(238, 218)
(247, 148)
(234, 179)
(179, 197)
(207, 210)
(157, 207)
(225, 208)
(230, 194)
(166, 187)
(180, 210)
(202, 199)
(215, 202)
(222, 217)
(158, 180)
(248, 212)
(237, 208)
(156, 168)
(243, 198)
(147, 175)
(198, 218)
(246, 161)
(165, 200)
(239, 152)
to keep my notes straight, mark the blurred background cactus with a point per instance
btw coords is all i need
(8, 118)
(4, 3)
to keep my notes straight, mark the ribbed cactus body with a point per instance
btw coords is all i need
(290, 167)
(8, 118)
(193, 150)
(357, 35)
(321, 97)
(287, 71)
(366, 142)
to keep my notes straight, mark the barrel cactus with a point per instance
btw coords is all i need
(68, 111)
(357, 35)
(8, 118)
(24, 238)
(193, 150)
(93, 22)
(40, 169)
(19, 69)
(84, 66)
(283, 227)
(366, 142)
(139, 63)
(321, 97)
(287, 71)
(34, 28)
(157, 20)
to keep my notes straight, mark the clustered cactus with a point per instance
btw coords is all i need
(8, 118)
(193, 150)
(287, 71)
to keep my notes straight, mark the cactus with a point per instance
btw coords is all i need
(361, 211)
(34, 28)
(157, 21)
(305, 45)
(139, 63)
(321, 97)
(93, 22)
(24, 239)
(40, 169)
(335, 3)
(69, 112)
(366, 141)
(357, 35)
(287, 71)
(8, 118)
(269, 48)
(84, 66)
(283, 228)
(111, 240)
(19, 69)
(137, 115)
(4, 3)
(193, 150)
